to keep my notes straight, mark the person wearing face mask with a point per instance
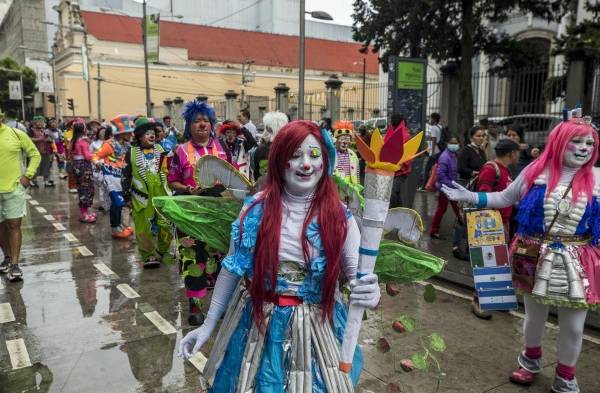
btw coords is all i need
(199, 129)
(471, 157)
(279, 284)
(555, 255)
(110, 158)
(446, 174)
(144, 177)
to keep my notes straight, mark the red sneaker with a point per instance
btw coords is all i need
(522, 377)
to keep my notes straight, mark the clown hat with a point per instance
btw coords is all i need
(342, 127)
(143, 124)
(122, 124)
(229, 125)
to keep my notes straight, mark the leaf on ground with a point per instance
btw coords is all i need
(419, 360)
(408, 322)
(437, 342)
(430, 293)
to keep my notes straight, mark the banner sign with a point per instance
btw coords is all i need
(43, 73)
(84, 62)
(14, 90)
(152, 37)
(407, 91)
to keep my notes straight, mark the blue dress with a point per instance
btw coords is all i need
(298, 352)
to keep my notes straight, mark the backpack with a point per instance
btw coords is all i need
(444, 138)
(472, 184)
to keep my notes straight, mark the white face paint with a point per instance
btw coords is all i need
(579, 151)
(304, 170)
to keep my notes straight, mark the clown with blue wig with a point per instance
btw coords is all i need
(201, 140)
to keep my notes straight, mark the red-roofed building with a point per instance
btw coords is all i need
(195, 60)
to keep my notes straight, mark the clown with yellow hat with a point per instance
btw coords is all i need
(346, 160)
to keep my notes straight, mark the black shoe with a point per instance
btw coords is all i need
(33, 184)
(196, 319)
(5, 265)
(14, 273)
(437, 236)
(49, 183)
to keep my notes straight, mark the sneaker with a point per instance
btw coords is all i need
(152, 262)
(14, 273)
(32, 184)
(436, 236)
(88, 218)
(5, 265)
(49, 183)
(522, 377)
(122, 234)
(72, 191)
(478, 312)
(527, 370)
(561, 385)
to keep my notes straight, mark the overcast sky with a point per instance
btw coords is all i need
(341, 10)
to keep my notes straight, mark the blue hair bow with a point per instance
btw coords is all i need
(330, 150)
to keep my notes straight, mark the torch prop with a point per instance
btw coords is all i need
(383, 160)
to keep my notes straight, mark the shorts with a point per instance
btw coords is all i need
(13, 204)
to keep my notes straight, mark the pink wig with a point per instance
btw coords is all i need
(553, 155)
(325, 206)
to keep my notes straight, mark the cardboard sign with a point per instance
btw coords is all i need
(484, 228)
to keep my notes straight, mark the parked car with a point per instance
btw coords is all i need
(377, 122)
(357, 123)
(536, 127)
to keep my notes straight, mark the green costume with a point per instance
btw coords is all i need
(143, 179)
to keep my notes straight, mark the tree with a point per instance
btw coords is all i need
(581, 41)
(450, 31)
(13, 107)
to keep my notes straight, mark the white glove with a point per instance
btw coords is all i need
(365, 291)
(222, 294)
(460, 194)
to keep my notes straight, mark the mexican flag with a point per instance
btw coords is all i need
(489, 256)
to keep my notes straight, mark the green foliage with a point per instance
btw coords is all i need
(193, 271)
(419, 361)
(12, 108)
(408, 322)
(581, 41)
(437, 343)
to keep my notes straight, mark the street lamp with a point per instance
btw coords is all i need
(322, 15)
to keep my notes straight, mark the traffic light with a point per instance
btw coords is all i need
(51, 99)
(70, 104)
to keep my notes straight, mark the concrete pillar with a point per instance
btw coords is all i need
(282, 98)
(177, 113)
(201, 98)
(450, 97)
(168, 103)
(350, 114)
(323, 111)
(576, 86)
(231, 105)
(333, 85)
(261, 112)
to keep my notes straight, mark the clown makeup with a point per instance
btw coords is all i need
(147, 140)
(305, 168)
(230, 135)
(579, 151)
(343, 142)
(200, 129)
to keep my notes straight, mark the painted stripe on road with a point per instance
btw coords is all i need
(33, 202)
(41, 210)
(104, 269)
(198, 361)
(27, 196)
(161, 324)
(59, 226)
(83, 250)
(70, 237)
(19, 357)
(6, 313)
(126, 290)
(49, 217)
(517, 314)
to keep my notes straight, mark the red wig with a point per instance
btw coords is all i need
(325, 206)
(229, 125)
(553, 155)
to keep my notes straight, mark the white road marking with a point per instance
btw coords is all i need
(126, 290)
(198, 361)
(83, 250)
(41, 210)
(27, 196)
(6, 313)
(70, 237)
(19, 358)
(49, 217)
(517, 314)
(33, 202)
(161, 324)
(59, 226)
(103, 269)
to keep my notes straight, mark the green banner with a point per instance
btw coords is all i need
(152, 37)
(410, 75)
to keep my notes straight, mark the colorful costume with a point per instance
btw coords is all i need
(197, 270)
(111, 157)
(346, 160)
(144, 178)
(555, 254)
(82, 169)
(238, 147)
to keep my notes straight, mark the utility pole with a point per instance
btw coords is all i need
(364, 85)
(147, 75)
(98, 81)
(301, 61)
(89, 82)
(245, 79)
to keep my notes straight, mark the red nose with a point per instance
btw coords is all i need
(306, 166)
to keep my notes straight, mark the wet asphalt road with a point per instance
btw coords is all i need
(88, 318)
